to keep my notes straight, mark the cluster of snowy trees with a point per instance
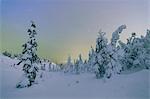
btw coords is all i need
(76, 67)
(136, 53)
(47, 65)
(112, 58)
(105, 60)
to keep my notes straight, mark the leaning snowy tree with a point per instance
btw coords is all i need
(106, 54)
(113, 52)
(29, 59)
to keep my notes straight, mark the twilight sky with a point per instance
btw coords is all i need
(69, 27)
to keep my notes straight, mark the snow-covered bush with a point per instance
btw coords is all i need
(6, 53)
(75, 68)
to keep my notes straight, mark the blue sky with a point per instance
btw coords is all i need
(69, 27)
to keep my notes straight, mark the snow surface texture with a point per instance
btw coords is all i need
(57, 85)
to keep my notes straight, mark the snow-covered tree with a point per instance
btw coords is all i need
(81, 64)
(101, 56)
(85, 63)
(147, 50)
(43, 64)
(91, 60)
(29, 59)
(68, 66)
(76, 67)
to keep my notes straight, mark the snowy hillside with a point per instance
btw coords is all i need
(57, 85)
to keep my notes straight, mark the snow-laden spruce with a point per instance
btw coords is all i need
(78, 65)
(29, 59)
(101, 58)
(90, 62)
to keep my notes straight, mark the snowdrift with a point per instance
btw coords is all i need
(57, 85)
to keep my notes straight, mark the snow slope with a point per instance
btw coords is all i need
(57, 85)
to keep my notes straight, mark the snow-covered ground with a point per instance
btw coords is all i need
(57, 85)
